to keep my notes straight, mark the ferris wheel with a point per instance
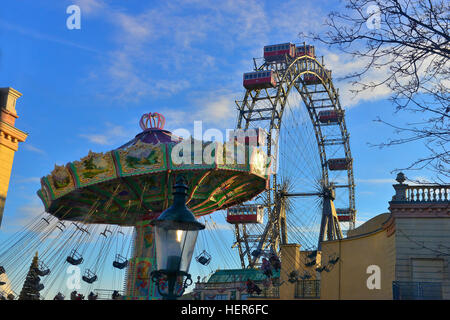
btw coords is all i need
(290, 97)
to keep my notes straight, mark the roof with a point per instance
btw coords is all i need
(152, 136)
(372, 225)
(234, 275)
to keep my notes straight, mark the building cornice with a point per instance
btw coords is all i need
(11, 136)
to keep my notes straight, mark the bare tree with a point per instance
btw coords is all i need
(410, 40)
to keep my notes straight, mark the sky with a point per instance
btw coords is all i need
(85, 89)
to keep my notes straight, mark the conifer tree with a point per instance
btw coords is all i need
(32, 285)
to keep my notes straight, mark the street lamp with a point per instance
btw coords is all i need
(176, 232)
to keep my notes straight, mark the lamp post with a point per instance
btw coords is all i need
(176, 232)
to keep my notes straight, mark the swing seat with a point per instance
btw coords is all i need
(257, 253)
(89, 279)
(42, 270)
(120, 265)
(203, 258)
(204, 261)
(74, 261)
(120, 262)
(43, 273)
(74, 258)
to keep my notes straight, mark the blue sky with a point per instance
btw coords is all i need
(86, 89)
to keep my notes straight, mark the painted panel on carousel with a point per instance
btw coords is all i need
(60, 181)
(44, 193)
(141, 158)
(191, 154)
(259, 162)
(94, 168)
(234, 157)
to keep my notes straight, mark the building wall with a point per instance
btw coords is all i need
(10, 137)
(290, 260)
(6, 162)
(347, 279)
(423, 251)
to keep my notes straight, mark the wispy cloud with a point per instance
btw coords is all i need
(29, 180)
(376, 181)
(30, 147)
(27, 213)
(42, 36)
(111, 135)
(342, 65)
(90, 6)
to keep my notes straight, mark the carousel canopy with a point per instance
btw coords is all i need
(135, 181)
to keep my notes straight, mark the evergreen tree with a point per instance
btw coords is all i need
(32, 285)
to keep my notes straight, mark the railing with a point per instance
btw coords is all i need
(267, 293)
(104, 294)
(405, 290)
(218, 285)
(421, 193)
(307, 289)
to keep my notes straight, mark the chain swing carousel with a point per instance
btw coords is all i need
(109, 199)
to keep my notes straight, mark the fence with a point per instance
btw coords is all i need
(405, 290)
(307, 289)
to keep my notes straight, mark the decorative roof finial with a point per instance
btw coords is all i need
(152, 121)
(400, 178)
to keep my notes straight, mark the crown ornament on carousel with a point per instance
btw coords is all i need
(152, 121)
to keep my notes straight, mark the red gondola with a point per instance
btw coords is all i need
(313, 79)
(345, 215)
(305, 50)
(252, 136)
(328, 116)
(339, 164)
(259, 80)
(279, 51)
(245, 214)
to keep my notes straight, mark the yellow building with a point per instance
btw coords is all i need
(10, 137)
(402, 254)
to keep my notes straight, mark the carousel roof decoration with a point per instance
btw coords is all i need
(135, 181)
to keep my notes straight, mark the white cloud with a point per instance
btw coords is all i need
(377, 181)
(28, 212)
(113, 134)
(29, 179)
(32, 148)
(214, 109)
(342, 65)
(90, 6)
(43, 36)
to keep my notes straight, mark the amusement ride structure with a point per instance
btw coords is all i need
(297, 166)
(130, 187)
(292, 104)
